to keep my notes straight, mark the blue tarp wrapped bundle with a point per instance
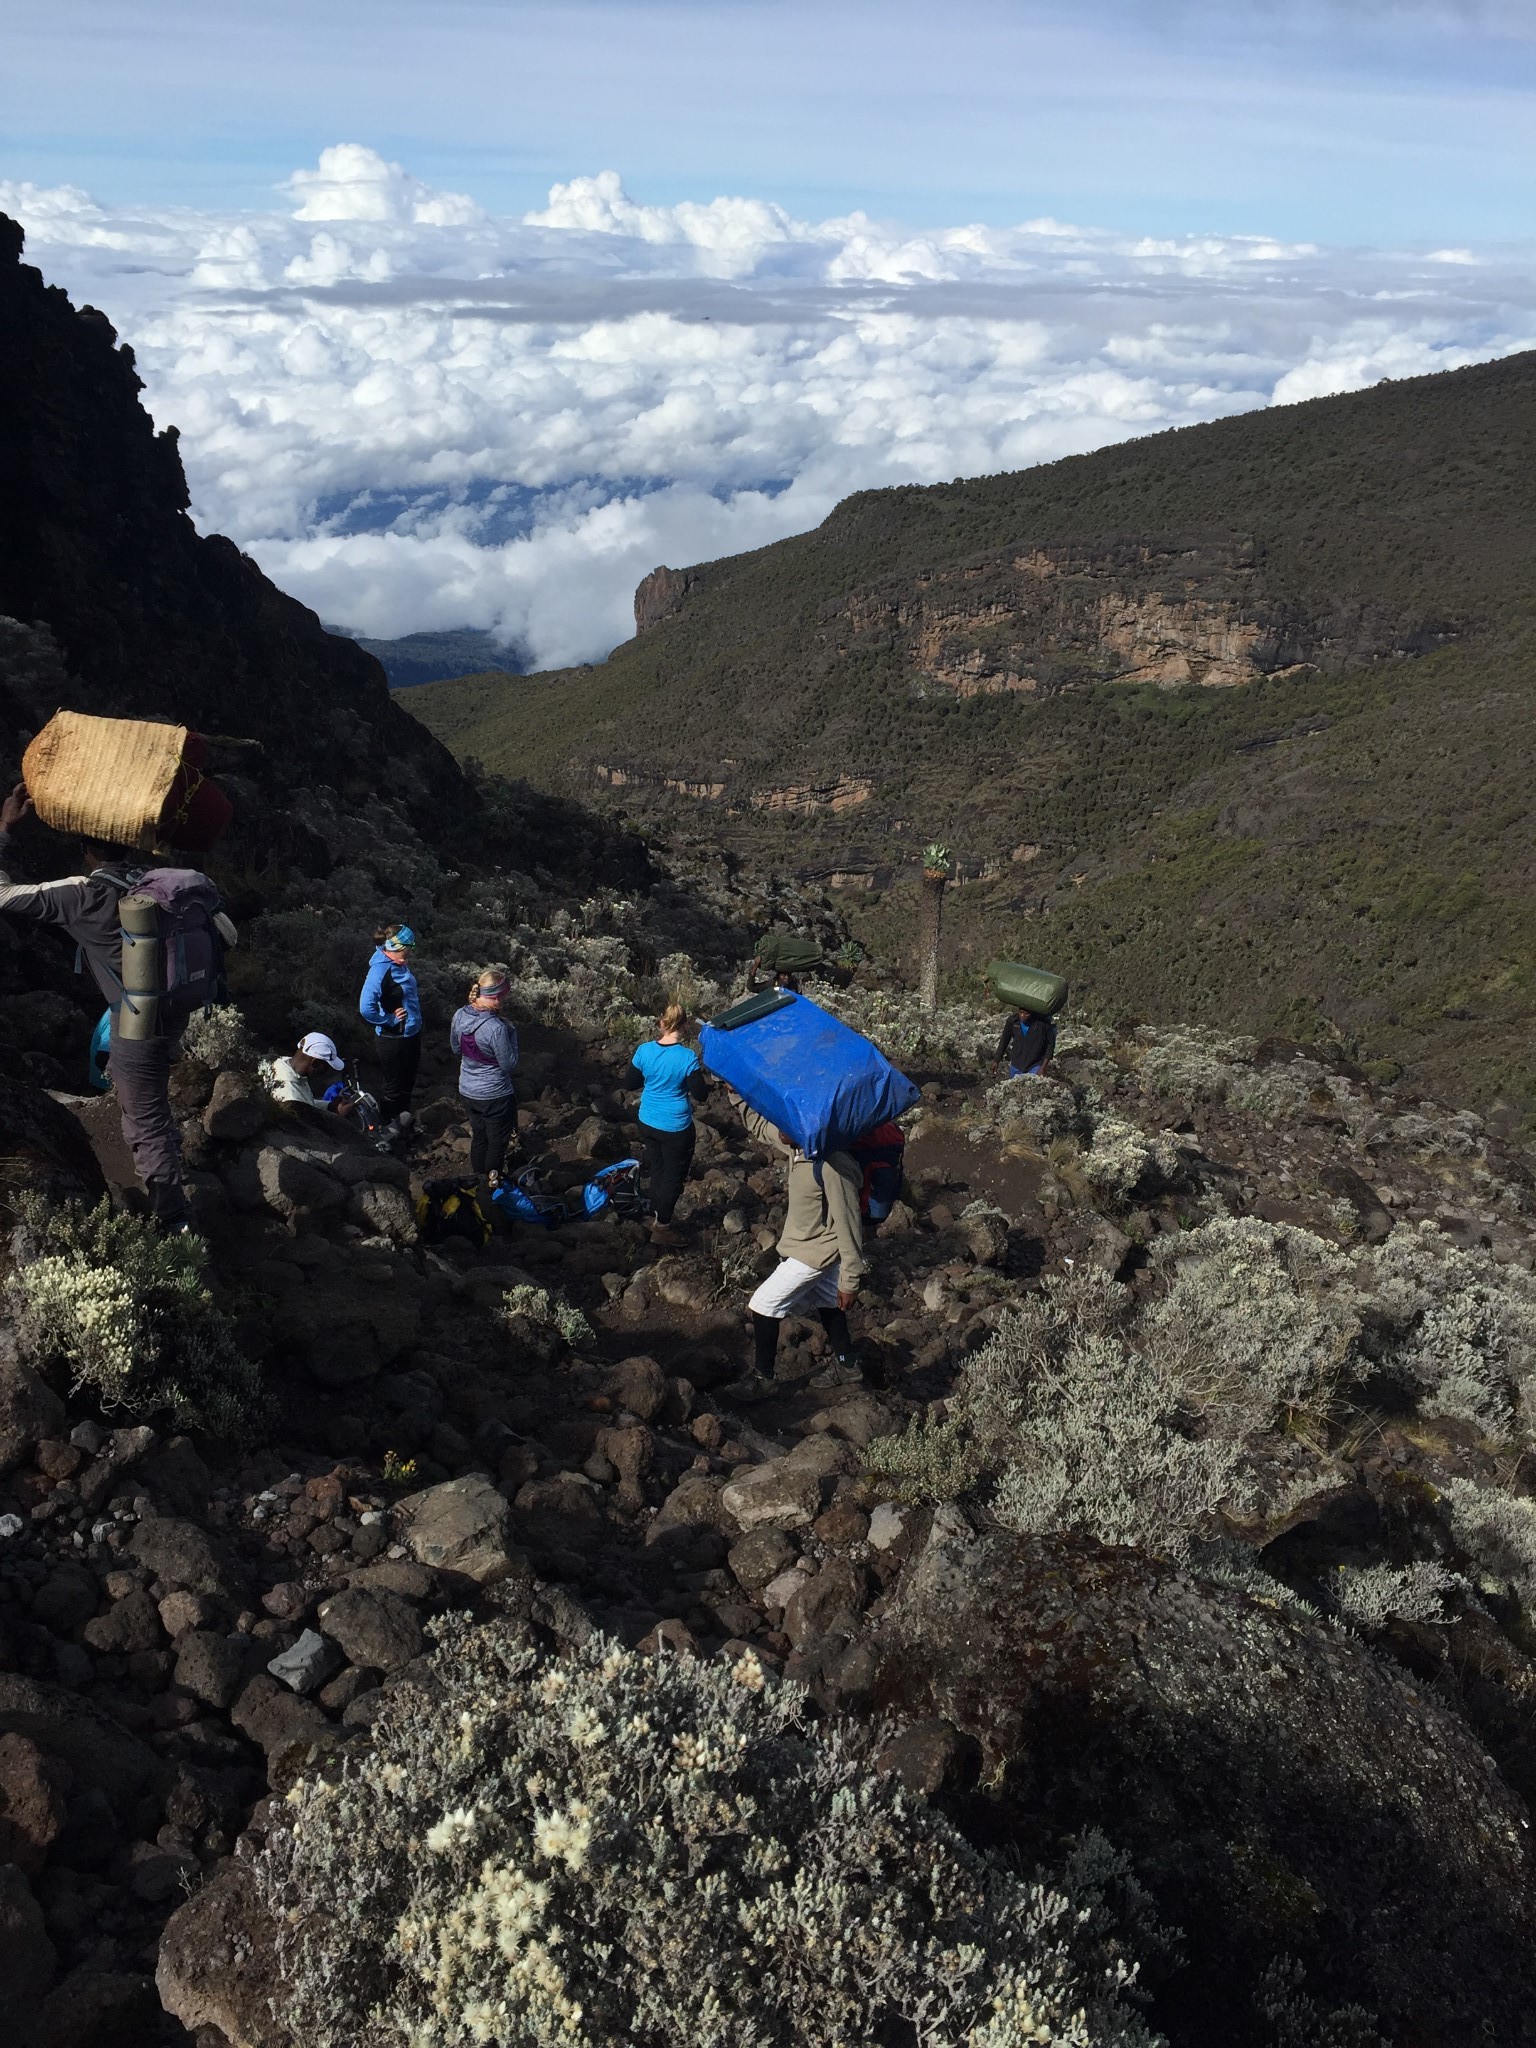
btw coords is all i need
(816, 1080)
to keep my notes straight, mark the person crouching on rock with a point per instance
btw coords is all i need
(85, 908)
(487, 1048)
(667, 1072)
(1027, 1043)
(821, 1255)
(293, 1077)
(391, 1003)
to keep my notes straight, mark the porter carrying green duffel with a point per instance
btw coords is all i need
(1027, 988)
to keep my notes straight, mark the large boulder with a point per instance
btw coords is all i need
(29, 1410)
(376, 1629)
(218, 1967)
(101, 1754)
(460, 1526)
(295, 1185)
(184, 1555)
(29, 1956)
(1281, 1791)
(33, 1789)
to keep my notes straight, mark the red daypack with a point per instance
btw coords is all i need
(881, 1152)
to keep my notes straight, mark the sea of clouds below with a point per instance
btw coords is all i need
(416, 415)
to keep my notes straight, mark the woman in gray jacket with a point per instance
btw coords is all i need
(487, 1048)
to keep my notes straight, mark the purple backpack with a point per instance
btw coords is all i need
(191, 940)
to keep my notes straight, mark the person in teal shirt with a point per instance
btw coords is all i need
(667, 1072)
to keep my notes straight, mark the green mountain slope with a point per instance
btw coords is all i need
(1232, 723)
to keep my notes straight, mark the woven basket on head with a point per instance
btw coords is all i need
(106, 778)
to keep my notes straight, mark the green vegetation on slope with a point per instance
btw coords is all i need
(1340, 842)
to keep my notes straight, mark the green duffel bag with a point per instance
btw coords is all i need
(786, 953)
(1027, 988)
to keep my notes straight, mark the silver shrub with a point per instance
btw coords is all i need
(617, 1848)
(1498, 1531)
(1254, 1319)
(1370, 1596)
(218, 1039)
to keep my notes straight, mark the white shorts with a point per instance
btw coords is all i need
(793, 1286)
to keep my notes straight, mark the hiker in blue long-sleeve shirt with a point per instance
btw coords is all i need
(391, 1003)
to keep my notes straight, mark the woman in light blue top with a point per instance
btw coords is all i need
(667, 1072)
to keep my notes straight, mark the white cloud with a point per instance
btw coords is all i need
(417, 414)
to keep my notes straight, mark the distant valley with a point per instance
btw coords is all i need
(1233, 722)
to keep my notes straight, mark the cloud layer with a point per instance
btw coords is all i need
(415, 414)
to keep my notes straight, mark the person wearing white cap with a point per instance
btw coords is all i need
(291, 1076)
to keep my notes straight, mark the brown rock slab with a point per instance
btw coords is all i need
(638, 1384)
(217, 1965)
(460, 1526)
(774, 1496)
(376, 1629)
(29, 1956)
(33, 1788)
(133, 1623)
(183, 1555)
(29, 1411)
(210, 1666)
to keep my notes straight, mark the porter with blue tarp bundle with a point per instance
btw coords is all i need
(810, 1088)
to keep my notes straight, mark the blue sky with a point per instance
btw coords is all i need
(1345, 122)
(471, 312)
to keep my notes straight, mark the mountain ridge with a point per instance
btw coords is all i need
(1228, 721)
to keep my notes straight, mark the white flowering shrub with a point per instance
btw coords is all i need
(1191, 1064)
(621, 1848)
(1121, 1156)
(1032, 1111)
(958, 1035)
(218, 1039)
(1456, 1329)
(108, 1302)
(1254, 1319)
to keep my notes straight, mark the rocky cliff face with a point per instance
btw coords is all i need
(150, 618)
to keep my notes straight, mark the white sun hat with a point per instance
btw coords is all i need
(319, 1047)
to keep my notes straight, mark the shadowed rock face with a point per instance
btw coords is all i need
(1281, 1790)
(153, 619)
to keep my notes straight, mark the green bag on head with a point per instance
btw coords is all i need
(1027, 988)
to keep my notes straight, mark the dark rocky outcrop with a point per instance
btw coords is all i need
(1281, 1790)
(151, 618)
(660, 594)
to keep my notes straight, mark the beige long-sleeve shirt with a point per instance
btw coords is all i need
(822, 1223)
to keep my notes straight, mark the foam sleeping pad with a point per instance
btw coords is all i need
(814, 1078)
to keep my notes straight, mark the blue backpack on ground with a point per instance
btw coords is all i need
(527, 1200)
(821, 1083)
(617, 1187)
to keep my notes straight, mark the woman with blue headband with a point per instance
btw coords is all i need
(391, 1003)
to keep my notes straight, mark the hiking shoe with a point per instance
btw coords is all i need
(747, 1390)
(664, 1234)
(842, 1372)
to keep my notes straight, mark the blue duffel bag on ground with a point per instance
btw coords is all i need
(814, 1078)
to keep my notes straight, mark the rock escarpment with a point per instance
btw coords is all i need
(150, 618)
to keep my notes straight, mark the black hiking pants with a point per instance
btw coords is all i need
(141, 1079)
(668, 1156)
(492, 1127)
(399, 1059)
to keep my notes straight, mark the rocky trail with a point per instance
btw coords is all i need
(563, 1420)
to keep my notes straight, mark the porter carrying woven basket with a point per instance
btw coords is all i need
(124, 781)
